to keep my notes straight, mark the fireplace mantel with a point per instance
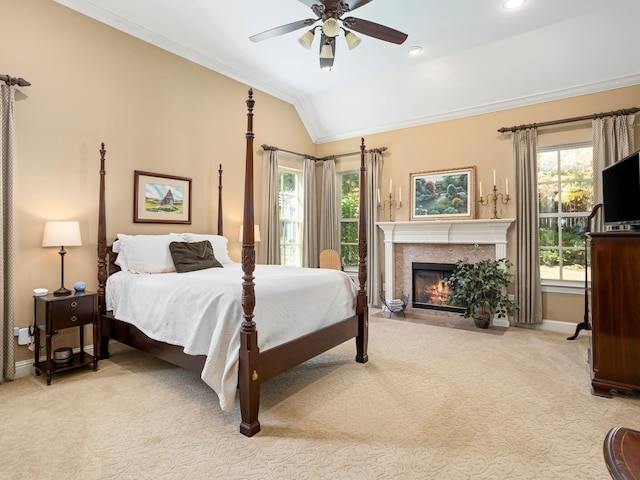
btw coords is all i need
(483, 231)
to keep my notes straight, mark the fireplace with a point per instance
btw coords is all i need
(429, 286)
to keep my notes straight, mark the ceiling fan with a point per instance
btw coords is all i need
(330, 13)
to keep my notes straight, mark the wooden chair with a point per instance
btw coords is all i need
(330, 258)
(621, 451)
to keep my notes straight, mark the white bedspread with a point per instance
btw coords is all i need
(202, 311)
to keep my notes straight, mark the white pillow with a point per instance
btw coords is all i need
(218, 242)
(147, 253)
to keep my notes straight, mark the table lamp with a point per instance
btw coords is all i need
(61, 234)
(256, 233)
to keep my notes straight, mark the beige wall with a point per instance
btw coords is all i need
(157, 112)
(476, 141)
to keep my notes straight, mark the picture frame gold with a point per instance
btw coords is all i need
(443, 194)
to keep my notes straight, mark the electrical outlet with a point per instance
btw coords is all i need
(23, 337)
(16, 331)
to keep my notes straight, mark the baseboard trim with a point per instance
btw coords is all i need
(25, 367)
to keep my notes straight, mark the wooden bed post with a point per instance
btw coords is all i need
(249, 368)
(362, 309)
(220, 200)
(102, 256)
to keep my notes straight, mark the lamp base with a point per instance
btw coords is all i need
(61, 292)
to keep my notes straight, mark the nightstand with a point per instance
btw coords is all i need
(53, 313)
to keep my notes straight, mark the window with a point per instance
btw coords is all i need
(291, 213)
(349, 210)
(565, 200)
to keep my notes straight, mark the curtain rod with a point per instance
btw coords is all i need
(626, 111)
(9, 80)
(322, 159)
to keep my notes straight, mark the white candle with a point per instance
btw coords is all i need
(400, 194)
(378, 195)
(480, 189)
(494, 178)
(506, 183)
(390, 185)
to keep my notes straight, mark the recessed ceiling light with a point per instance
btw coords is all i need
(415, 50)
(511, 4)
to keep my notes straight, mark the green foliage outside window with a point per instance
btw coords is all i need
(565, 199)
(349, 210)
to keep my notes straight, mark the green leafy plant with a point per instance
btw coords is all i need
(481, 288)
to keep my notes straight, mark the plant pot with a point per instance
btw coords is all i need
(482, 320)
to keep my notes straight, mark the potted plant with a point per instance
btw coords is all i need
(481, 289)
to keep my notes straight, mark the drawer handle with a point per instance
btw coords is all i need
(74, 304)
(74, 318)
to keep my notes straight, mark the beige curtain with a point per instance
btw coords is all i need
(374, 163)
(270, 224)
(310, 252)
(528, 290)
(7, 241)
(613, 139)
(329, 207)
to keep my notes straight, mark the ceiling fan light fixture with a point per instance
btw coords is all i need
(331, 27)
(307, 39)
(326, 51)
(352, 39)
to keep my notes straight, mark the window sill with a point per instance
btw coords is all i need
(563, 286)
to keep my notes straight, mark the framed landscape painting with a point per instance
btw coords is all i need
(443, 194)
(159, 198)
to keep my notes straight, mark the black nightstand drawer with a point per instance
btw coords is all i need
(72, 311)
(53, 314)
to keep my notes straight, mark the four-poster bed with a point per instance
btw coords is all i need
(255, 361)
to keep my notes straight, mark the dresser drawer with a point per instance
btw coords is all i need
(72, 311)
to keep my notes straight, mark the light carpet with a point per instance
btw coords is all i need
(431, 403)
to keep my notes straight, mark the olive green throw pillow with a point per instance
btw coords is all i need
(192, 256)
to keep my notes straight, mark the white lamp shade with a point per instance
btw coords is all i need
(256, 233)
(326, 51)
(331, 27)
(306, 40)
(352, 40)
(61, 234)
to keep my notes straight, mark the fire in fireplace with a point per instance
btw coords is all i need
(430, 289)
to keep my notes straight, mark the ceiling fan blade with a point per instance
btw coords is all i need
(353, 4)
(327, 62)
(282, 29)
(375, 30)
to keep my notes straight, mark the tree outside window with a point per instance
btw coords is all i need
(291, 216)
(349, 208)
(565, 200)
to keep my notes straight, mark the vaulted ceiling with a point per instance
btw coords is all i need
(476, 56)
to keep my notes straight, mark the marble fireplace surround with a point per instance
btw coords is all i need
(438, 241)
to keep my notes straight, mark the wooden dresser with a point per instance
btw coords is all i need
(615, 302)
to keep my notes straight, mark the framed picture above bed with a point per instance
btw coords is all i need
(443, 194)
(159, 198)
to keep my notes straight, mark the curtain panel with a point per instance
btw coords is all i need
(374, 164)
(310, 252)
(329, 207)
(7, 232)
(613, 139)
(270, 243)
(528, 290)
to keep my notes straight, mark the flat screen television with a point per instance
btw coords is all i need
(621, 192)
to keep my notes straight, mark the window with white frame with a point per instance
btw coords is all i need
(349, 212)
(565, 200)
(291, 215)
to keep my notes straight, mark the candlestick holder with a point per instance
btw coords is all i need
(391, 204)
(504, 199)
